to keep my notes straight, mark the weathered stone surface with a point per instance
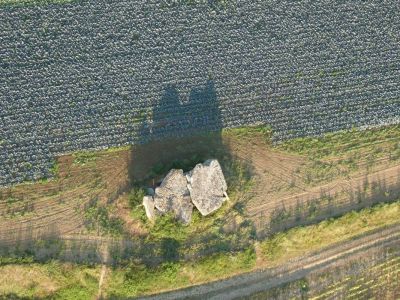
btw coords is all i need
(173, 185)
(183, 209)
(207, 186)
(173, 196)
(148, 203)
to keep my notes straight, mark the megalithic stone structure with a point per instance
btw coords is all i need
(173, 196)
(204, 187)
(207, 186)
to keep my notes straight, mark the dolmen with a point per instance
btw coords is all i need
(204, 187)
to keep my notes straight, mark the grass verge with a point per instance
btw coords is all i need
(302, 240)
(138, 280)
(52, 280)
(343, 142)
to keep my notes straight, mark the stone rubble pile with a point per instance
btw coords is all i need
(203, 187)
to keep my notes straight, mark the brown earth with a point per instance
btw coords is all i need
(30, 211)
(57, 207)
(281, 183)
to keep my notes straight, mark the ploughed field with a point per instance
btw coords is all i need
(90, 212)
(290, 184)
(307, 180)
(51, 208)
(94, 74)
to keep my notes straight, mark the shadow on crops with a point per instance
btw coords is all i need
(180, 133)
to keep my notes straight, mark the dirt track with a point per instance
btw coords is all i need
(254, 282)
(280, 182)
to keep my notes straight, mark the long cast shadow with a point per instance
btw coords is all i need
(178, 134)
(196, 127)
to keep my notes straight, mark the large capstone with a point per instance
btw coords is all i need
(173, 196)
(207, 186)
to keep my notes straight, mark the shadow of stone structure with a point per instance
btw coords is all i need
(179, 133)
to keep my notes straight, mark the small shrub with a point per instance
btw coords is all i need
(84, 157)
(135, 197)
(98, 217)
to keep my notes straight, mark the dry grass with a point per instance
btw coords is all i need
(302, 240)
(27, 280)
(55, 280)
(138, 280)
(66, 281)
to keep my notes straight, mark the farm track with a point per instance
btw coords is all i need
(261, 280)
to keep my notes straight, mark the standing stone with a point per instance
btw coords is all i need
(173, 196)
(207, 186)
(148, 203)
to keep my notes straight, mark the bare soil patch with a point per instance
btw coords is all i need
(284, 193)
(56, 207)
(282, 183)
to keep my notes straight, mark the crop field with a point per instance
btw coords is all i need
(75, 78)
(380, 281)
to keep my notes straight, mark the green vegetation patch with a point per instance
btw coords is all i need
(137, 280)
(168, 240)
(55, 169)
(224, 231)
(302, 240)
(99, 218)
(90, 157)
(85, 157)
(52, 280)
(339, 143)
(263, 131)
